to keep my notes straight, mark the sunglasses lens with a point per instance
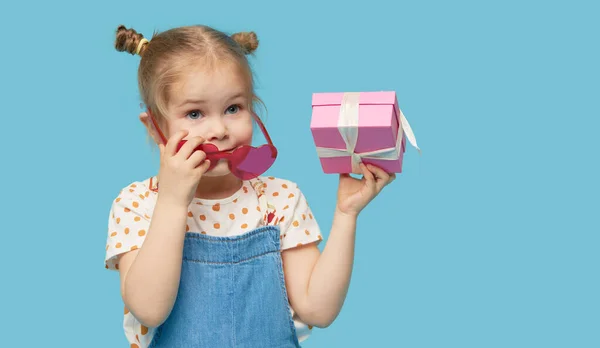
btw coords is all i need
(252, 162)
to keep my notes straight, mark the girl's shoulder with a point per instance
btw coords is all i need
(137, 196)
(290, 210)
(142, 189)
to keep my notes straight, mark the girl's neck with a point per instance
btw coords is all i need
(218, 187)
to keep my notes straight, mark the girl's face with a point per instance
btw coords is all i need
(214, 105)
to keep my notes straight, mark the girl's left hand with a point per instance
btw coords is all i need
(355, 194)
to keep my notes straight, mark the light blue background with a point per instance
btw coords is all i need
(489, 239)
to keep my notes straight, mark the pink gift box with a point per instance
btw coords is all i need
(378, 126)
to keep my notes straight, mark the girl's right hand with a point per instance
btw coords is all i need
(181, 171)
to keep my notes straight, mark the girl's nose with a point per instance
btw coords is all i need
(216, 130)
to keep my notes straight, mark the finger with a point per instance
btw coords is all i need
(392, 177)
(196, 158)
(189, 147)
(202, 168)
(368, 176)
(171, 148)
(380, 174)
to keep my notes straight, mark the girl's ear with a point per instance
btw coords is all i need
(152, 131)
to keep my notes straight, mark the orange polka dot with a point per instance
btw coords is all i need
(202, 217)
(126, 230)
(141, 233)
(310, 327)
(245, 211)
(106, 246)
(245, 189)
(216, 207)
(258, 208)
(232, 216)
(275, 194)
(142, 196)
(299, 244)
(281, 220)
(135, 247)
(286, 207)
(118, 245)
(284, 186)
(271, 178)
(133, 345)
(307, 233)
(320, 238)
(296, 223)
(118, 199)
(127, 210)
(217, 225)
(133, 185)
(303, 216)
(244, 225)
(202, 232)
(187, 228)
(118, 220)
(147, 194)
(291, 195)
(137, 218)
(113, 234)
(310, 216)
(117, 266)
(235, 200)
(137, 337)
(144, 330)
(146, 216)
(190, 214)
(130, 190)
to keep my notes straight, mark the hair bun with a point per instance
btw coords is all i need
(247, 40)
(127, 40)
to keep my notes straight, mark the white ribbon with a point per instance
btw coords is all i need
(348, 128)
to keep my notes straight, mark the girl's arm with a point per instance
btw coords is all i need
(318, 283)
(150, 275)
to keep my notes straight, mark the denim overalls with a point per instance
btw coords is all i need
(232, 292)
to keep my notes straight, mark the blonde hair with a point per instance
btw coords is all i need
(167, 55)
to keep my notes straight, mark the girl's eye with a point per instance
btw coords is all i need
(195, 114)
(233, 109)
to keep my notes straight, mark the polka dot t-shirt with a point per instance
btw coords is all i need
(131, 212)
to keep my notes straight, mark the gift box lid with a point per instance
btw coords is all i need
(365, 98)
(378, 109)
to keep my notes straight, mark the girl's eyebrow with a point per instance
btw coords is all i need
(237, 95)
(202, 101)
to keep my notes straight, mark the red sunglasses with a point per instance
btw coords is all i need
(245, 162)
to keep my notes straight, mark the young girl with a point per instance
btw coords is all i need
(210, 252)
